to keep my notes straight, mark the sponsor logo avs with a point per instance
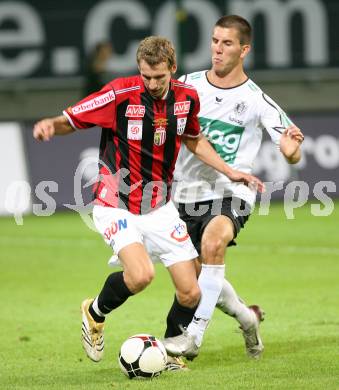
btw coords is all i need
(115, 228)
(135, 110)
(180, 233)
(182, 107)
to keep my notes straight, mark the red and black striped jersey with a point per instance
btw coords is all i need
(140, 140)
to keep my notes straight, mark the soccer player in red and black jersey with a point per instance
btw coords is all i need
(144, 119)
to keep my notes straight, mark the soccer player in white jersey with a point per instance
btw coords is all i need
(234, 113)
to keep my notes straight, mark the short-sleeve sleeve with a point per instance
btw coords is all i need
(273, 118)
(193, 127)
(97, 109)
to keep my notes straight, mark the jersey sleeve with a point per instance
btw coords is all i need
(183, 78)
(97, 109)
(273, 118)
(193, 127)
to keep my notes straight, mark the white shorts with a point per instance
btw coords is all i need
(161, 231)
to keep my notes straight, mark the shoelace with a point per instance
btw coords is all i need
(96, 334)
(251, 336)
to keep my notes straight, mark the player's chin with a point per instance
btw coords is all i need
(220, 69)
(156, 94)
(217, 65)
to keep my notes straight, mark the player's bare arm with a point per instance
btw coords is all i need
(47, 128)
(290, 142)
(204, 151)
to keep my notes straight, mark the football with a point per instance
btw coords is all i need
(142, 356)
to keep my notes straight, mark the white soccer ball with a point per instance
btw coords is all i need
(142, 356)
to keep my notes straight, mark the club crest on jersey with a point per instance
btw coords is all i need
(159, 136)
(180, 232)
(240, 108)
(182, 107)
(135, 111)
(134, 130)
(181, 124)
(160, 122)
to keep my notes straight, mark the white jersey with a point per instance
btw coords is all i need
(233, 120)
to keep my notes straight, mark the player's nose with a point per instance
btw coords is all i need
(153, 85)
(219, 49)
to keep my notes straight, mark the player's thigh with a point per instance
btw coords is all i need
(138, 268)
(218, 233)
(219, 228)
(119, 230)
(135, 259)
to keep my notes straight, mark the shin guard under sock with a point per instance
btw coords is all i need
(178, 315)
(114, 293)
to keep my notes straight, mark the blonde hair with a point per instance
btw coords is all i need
(154, 50)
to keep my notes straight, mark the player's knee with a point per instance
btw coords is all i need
(213, 250)
(145, 279)
(137, 282)
(189, 298)
(213, 247)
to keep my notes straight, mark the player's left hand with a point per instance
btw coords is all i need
(293, 132)
(290, 141)
(251, 181)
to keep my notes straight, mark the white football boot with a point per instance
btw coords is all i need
(182, 345)
(253, 343)
(92, 333)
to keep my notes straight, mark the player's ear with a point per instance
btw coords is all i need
(245, 49)
(174, 68)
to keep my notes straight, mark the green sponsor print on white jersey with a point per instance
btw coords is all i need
(224, 137)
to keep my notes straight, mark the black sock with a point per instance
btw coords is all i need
(94, 315)
(178, 315)
(114, 293)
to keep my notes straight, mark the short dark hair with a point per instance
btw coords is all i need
(155, 49)
(240, 24)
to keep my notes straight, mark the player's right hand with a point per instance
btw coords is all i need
(44, 130)
(251, 181)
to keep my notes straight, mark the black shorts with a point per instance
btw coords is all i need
(198, 215)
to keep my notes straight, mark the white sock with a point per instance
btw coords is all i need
(210, 282)
(96, 308)
(231, 304)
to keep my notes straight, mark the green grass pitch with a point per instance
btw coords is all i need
(290, 267)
